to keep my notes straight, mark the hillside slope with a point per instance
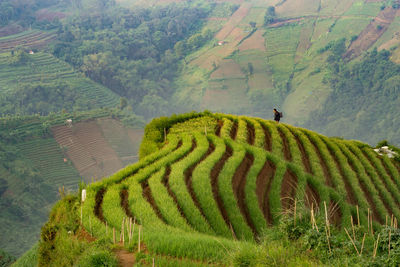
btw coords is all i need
(35, 163)
(216, 178)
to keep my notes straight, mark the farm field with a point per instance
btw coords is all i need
(34, 167)
(31, 39)
(43, 68)
(217, 178)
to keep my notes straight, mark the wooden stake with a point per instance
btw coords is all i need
(352, 241)
(205, 130)
(140, 229)
(154, 263)
(391, 221)
(386, 221)
(358, 217)
(327, 238)
(376, 246)
(372, 228)
(326, 219)
(362, 245)
(114, 235)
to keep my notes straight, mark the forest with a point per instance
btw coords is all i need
(365, 98)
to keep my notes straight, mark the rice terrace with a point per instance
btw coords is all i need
(215, 184)
(138, 133)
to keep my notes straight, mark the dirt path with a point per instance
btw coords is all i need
(98, 211)
(267, 135)
(214, 183)
(286, 150)
(251, 133)
(239, 185)
(288, 190)
(374, 30)
(146, 192)
(234, 130)
(264, 181)
(125, 258)
(188, 177)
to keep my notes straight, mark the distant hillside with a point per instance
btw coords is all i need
(215, 184)
(40, 155)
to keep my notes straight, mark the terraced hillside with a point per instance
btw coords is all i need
(35, 162)
(32, 39)
(42, 69)
(216, 178)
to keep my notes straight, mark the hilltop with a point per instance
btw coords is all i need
(208, 188)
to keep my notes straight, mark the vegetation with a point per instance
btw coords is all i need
(202, 194)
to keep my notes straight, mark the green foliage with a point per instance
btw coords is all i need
(269, 15)
(365, 85)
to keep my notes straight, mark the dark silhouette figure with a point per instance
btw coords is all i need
(277, 115)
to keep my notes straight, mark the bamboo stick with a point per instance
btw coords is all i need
(326, 219)
(362, 245)
(352, 241)
(386, 221)
(358, 216)
(154, 263)
(327, 238)
(376, 246)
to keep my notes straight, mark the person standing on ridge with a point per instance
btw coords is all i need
(277, 115)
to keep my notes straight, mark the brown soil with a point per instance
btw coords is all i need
(214, 183)
(82, 234)
(267, 134)
(350, 196)
(98, 211)
(335, 214)
(367, 194)
(304, 156)
(328, 177)
(383, 180)
(371, 33)
(149, 197)
(311, 197)
(124, 196)
(188, 176)
(239, 185)
(264, 181)
(219, 126)
(125, 258)
(388, 172)
(165, 181)
(251, 134)
(286, 150)
(288, 190)
(234, 130)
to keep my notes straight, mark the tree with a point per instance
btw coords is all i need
(269, 15)
(251, 68)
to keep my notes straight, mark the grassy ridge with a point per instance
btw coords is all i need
(182, 212)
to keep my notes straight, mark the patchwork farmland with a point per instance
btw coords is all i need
(218, 178)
